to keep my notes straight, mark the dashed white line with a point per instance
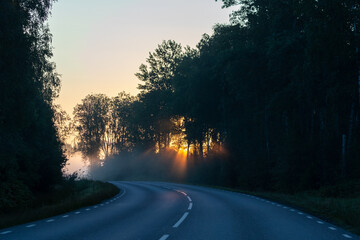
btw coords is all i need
(292, 210)
(332, 228)
(320, 222)
(309, 217)
(189, 198)
(77, 212)
(183, 193)
(88, 209)
(31, 225)
(95, 206)
(180, 220)
(300, 213)
(164, 237)
(65, 216)
(190, 206)
(347, 236)
(6, 232)
(285, 207)
(50, 220)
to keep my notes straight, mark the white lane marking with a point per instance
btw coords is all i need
(102, 204)
(332, 228)
(320, 222)
(88, 209)
(292, 210)
(189, 198)
(300, 213)
(181, 192)
(190, 206)
(347, 236)
(164, 237)
(31, 225)
(6, 232)
(278, 205)
(50, 220)
(122, 193)
(77, 212)
(95, 206)
(285, 207)
(309, 217)
(65, 216)
(181, 220)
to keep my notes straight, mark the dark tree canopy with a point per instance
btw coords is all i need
(274, 95)
(31, 153)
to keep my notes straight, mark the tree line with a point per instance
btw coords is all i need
(31, 155)
(270, 101)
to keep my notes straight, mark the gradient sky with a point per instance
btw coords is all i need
(99, 44)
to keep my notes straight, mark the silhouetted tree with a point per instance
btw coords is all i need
(31, 156)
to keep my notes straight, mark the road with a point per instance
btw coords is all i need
(160, 211)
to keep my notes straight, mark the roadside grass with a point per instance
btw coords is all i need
(64, 198)
(342, 211)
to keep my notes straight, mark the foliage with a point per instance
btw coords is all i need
(66, 196)
(275, 95)
(31, 157)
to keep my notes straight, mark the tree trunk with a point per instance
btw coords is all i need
(343, 157)
(266, 132)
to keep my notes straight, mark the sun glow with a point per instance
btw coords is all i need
(180, 162)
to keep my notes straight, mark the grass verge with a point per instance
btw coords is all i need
(64, 198)
(344, 212)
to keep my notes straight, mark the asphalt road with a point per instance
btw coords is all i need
(155, 210)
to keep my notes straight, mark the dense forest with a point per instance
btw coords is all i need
(31, 155)
(268, 102)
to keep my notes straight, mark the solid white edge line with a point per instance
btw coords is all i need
(164, 237)
(181, 220)
(347, 236)
(6, 232)
(190, 206)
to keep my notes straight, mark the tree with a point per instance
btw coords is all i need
(31, 155)
(156, 91)
(91, 119)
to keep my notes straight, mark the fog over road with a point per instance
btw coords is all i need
(157, 210)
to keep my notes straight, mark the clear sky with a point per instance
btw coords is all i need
(99, 44)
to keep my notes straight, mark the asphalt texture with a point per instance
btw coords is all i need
(160, 211)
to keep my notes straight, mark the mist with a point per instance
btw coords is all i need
(165, 166)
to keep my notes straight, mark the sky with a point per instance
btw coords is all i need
(100, 44)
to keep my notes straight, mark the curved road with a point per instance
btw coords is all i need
(159, 211)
